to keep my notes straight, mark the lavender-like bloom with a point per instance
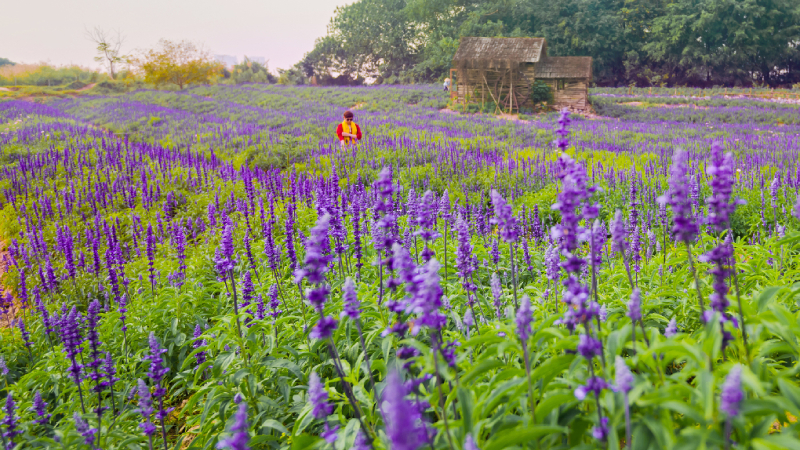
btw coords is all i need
(796, 209)
(552, 262)
(324, 328)
(316, 263)
(593, 385)
(3, 367)
(330, 434)
(70, 336)
(624, 377)
(563, 132)
(619, 236)
(26, 335)
(635, 306)
(95, 356)
(732, 395)
(672, 328)
(361, 442)
(600, 432)
(589, 347)
(10, 420)
(469, 443)
(318, 397)
(239, 436)
(85, 430)
(427, 297)
(352, 307)
(274, 302)
(199, 356)
(151, 251)
(721, 170)
(426, 220)
(40, 409)
(123, 309)
(180, 250)
(495, 252)
(403, 422)
(146, 409)
(224, 259)
(684, 226)
(504, 218)
(497, 294)
(524, 319)
(156, 373)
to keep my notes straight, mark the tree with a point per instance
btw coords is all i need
(251, 72)
(108, 48)
(179, 63)
(6, 62)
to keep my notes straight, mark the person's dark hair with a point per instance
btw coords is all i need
(348, 115)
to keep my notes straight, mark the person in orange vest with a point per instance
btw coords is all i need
(347, 131)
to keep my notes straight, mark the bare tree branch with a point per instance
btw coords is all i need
(109, 47)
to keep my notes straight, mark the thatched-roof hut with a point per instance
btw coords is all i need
(502, 70)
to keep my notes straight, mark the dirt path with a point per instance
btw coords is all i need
(5, 89)
(86, 88)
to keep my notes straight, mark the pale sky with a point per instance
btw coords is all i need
(53, 30)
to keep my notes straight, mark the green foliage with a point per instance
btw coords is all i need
(45, 75)
(651, 42)
(6, 62)
(541, 92)
(251, 72)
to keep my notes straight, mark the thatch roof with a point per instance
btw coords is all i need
(481, 52)
(564, 67)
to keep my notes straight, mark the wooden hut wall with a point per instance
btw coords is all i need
(471, 86)
(575, 92)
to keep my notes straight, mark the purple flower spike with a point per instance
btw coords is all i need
(40, 408)
(330, 434)
(732, 395)
(145, 409)
(619, 234)
(352, 308)
(593, 385)
(318, 397)
(504, 218)
(796, 210)
(624, 381)
(10, 420)
(403, 422)
(524, 319)
(361, 443)
(324, 328)
(600, 432)
(684, 226)
(563, 132)
(589, 347)
(85, 430)
(239, 436)
(672, 328)
(635, 305)
(469, 443)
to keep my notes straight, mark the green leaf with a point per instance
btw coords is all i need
(522, 435)
(776, 442)
(275, 425)
(223, 361)
(465, 399)
(791, 392)
(766, 296)
(304, 441)
(481, 368)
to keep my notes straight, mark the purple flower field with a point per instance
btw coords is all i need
(210, 268)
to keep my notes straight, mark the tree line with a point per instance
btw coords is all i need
(643, 42)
